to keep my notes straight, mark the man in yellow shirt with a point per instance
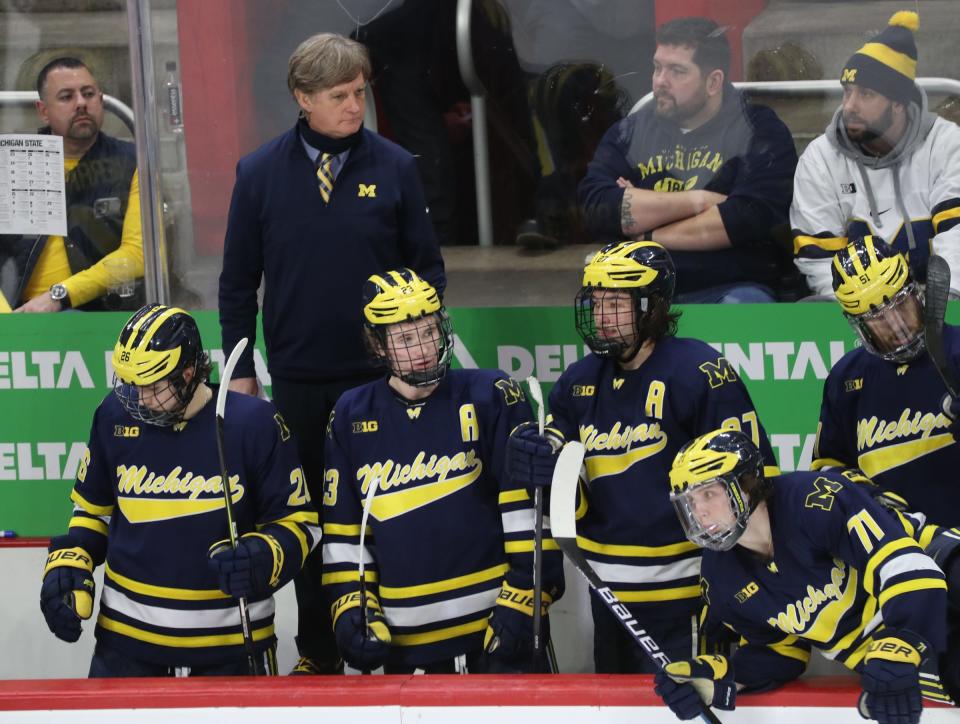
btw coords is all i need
(53, 273)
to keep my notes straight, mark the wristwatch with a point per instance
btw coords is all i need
(58, 293)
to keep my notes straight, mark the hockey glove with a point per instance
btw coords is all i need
(252, 570)
(362, 647)
(531, 456)
(685, 686)
(509, 634)
(951, 408)
(890, 678)
(66, 594)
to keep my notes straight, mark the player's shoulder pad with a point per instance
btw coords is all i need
(247, 409)
(488, 386)
(696, 360)
(359, 400)
(809, 494)
(586, 370)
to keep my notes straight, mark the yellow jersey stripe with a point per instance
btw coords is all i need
(612, 549)
(788, 649)
(526, 546)
(833, 243)
(298, 533)
(944, 216)
(826, 463)
(926, 535)
(919, 584)
(307, 517)
(886, 458)
(90, 507)
(512, 496)
(448, 584)
(182, 642)
(341, 529)
(94, 524)
(440, 634)
(869, 611)
(348, 577)
(664, 594)
(148, 589)
(880, 556)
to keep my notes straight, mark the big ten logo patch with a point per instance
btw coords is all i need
(744, 593)
(365, 426)
(126, 431)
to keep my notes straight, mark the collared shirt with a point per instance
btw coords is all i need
(336, 163)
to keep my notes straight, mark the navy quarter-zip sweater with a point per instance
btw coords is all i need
(315, 257)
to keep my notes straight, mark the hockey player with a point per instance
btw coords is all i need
(633, 404)
(149, 502)
(807, 559)
(449, 540)
(882, 407)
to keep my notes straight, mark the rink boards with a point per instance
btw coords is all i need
(561, 699)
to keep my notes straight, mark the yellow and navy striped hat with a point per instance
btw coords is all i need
(888, 62)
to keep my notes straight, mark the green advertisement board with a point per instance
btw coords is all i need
(55, 369)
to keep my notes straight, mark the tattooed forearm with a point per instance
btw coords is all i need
(627, 223)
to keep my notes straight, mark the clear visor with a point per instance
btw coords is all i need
(710, 515)
(893, 330)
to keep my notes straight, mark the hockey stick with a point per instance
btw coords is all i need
(367, 504)
(537, 394)
(227, 502)
(934, 310)
(563, 526)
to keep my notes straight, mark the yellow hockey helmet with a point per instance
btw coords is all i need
(422, 354)
(868, 273)
(158, 343)
(398, 296)
(882, 303)
(644, 271)
(716, 481)
(632, 265)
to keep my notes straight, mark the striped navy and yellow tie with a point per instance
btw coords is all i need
(325, 176)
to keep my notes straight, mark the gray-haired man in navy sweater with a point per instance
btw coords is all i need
(315, 212)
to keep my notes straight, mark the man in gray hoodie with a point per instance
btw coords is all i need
(883, 160)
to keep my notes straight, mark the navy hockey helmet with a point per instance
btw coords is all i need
(716, 482)
(879, 298)
(406, 327)
(158, 364)
(625, 298)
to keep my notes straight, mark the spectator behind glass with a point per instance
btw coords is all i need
(699, 170)
(883, 160)
(314, 213)
(52, 273)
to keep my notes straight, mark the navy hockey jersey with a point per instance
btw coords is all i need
(887, 420)
(149, 501)
(843, 569)
(632, 424)
(446, 528)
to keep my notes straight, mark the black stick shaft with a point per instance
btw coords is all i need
(232, 533)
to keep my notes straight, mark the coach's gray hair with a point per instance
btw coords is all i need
(324, 61)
